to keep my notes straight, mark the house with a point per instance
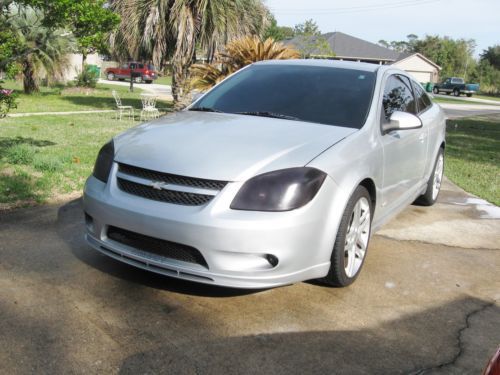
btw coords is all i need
(350, 48)
(74, 66)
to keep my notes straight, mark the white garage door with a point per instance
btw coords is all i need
(421, 76)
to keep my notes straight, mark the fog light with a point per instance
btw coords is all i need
(273, 261)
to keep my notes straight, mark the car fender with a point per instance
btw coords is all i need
(337, 162)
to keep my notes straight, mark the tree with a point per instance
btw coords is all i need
(384, 43)
(87, 20)
(308, 28)
(453, 55)
(161, 29)
(492, 56)
(45, 49)
(238, 54)
(276, 32)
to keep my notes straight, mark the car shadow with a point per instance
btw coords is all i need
(71, 227)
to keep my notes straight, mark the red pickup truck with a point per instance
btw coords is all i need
(141, 72)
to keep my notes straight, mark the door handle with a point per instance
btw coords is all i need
(421, 138)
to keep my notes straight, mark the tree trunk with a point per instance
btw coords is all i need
(30, 84)
(183, 59)
(84, 59)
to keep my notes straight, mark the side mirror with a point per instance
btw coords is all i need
(402, 121)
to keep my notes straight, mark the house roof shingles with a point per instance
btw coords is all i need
(348, 46)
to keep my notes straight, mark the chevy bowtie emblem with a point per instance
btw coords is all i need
(157, 185)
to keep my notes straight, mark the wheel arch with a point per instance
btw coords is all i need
(369, 185)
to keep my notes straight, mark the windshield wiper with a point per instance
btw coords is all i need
(269, 114)
(205, 109)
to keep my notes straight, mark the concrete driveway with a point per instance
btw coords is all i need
(427, 301)
(459, 110)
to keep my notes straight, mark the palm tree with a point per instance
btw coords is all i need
(237, 54)
(46, 50)
(209, 23)
(161, 29)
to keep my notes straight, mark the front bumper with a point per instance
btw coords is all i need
(235, 244)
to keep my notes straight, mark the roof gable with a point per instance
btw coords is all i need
(406, 56)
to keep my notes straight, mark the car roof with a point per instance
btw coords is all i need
(324, 63)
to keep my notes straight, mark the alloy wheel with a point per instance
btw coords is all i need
(438, 176)
(356, 240)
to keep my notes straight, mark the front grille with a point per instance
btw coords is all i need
(167, 196)
(156, 246)
(171, 178)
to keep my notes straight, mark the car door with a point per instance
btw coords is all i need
(122, 71)
(447, 85)
(432, 125)
(404, 151)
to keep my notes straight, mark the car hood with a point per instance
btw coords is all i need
(223, 146)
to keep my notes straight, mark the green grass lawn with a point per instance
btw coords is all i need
(165, 80)
(45, 157)
(473, 155)
(61, 99)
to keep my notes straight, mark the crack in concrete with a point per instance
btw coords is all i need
(460, 343)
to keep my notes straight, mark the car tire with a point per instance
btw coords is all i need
(148, 81)
(110, 76)
(469, 95)
(456, 92)
(435, 90)
(348, 255)
(434, 183)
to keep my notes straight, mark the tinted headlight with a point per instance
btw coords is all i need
(281, 190)
(104, 162)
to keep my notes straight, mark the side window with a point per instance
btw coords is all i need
(132, 66)
(423, 99)
(398, 96)
(141, 66)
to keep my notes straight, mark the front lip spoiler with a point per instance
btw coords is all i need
(139, 262)
(180, 270)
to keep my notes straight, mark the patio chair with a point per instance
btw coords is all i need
(149, 109)
(120, 109)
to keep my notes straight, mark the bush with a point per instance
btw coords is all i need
(87, 78)
(7, 100)
(20, 154)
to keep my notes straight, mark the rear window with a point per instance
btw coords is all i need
(326, 95)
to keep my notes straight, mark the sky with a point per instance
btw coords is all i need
(373, 20)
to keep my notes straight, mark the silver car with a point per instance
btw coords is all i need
(278, 174)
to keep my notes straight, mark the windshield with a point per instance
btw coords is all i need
(326, 95)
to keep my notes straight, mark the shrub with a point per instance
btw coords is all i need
(238, 53)
(20, 154)
(7, 100)
(87, 78)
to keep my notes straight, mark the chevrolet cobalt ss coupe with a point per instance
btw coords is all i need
(278, 174)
